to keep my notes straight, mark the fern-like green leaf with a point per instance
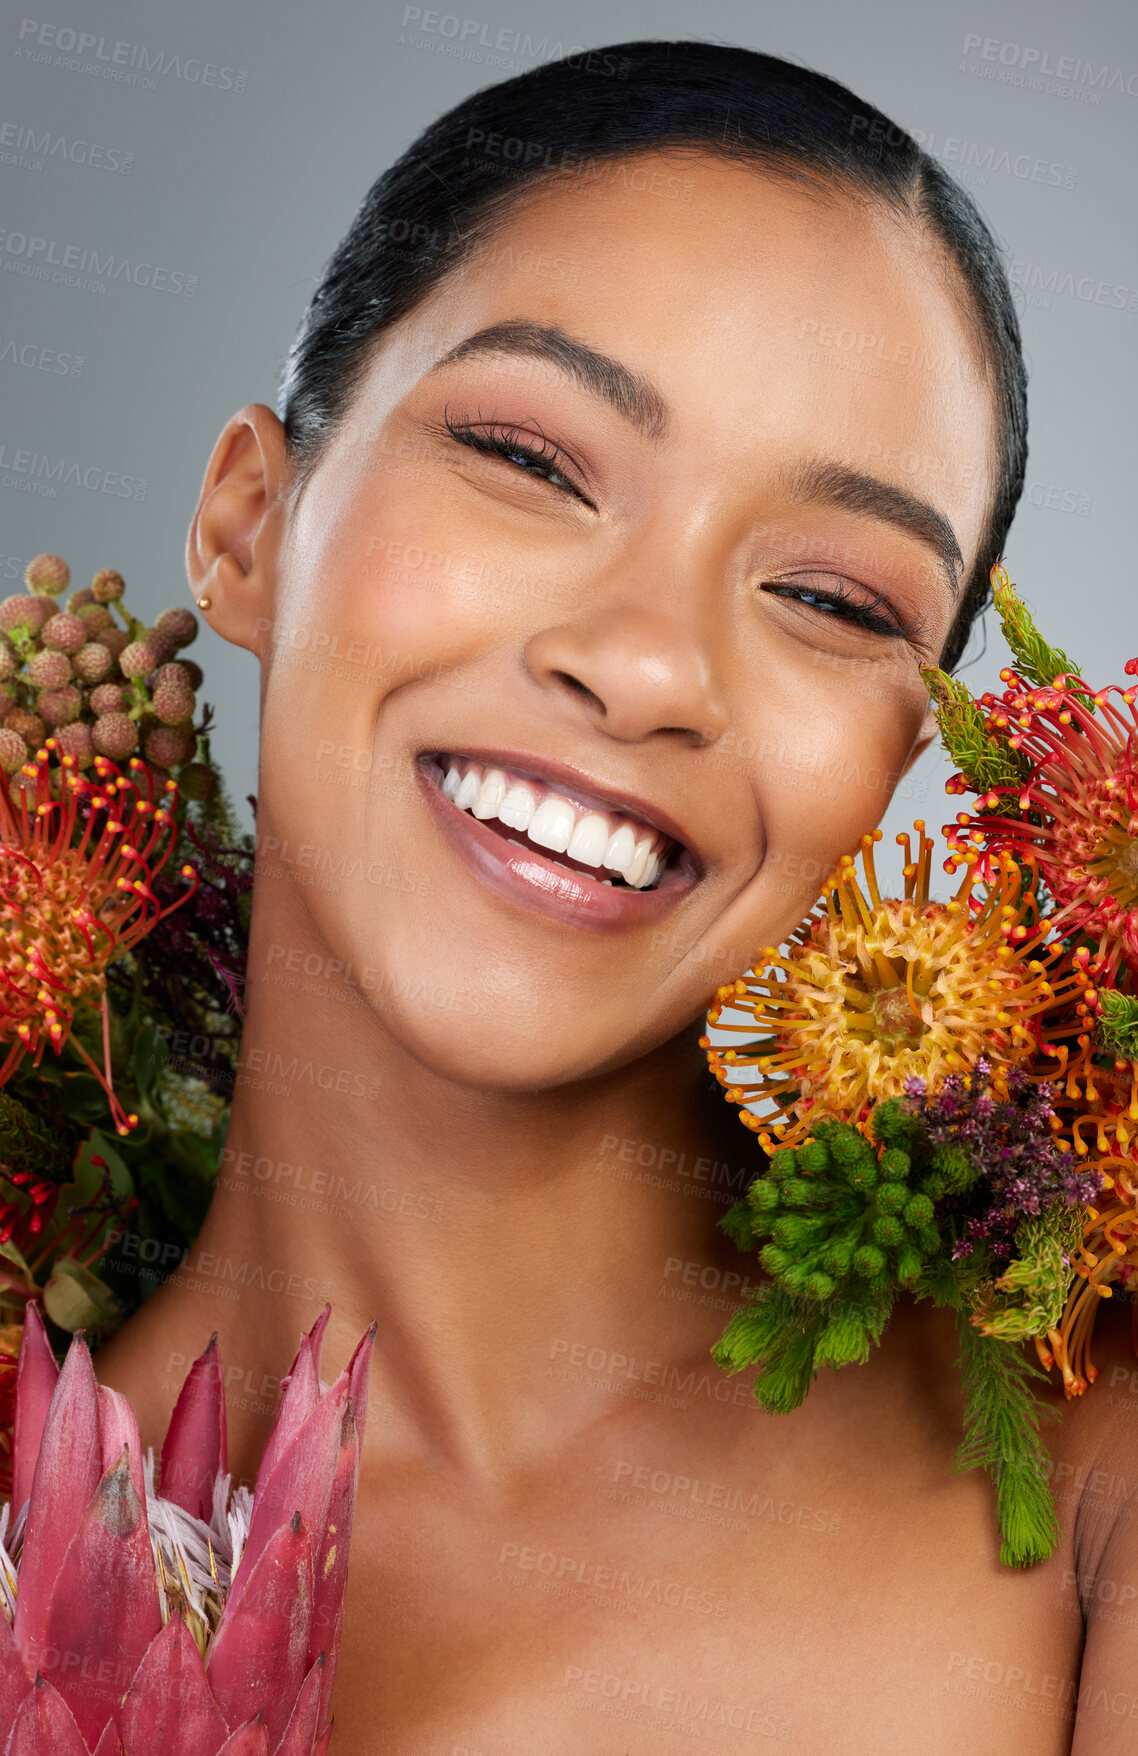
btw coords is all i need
(1001, 1436)
(1118, 1024)
(1035, 660)
(1029, 1296)
(984, 758)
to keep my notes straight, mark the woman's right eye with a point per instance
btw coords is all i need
(534, 455)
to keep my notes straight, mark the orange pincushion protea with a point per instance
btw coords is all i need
(872, 992)
(1099, 1110)
(75, 891)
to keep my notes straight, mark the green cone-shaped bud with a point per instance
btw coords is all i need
(889, 1231)
(918, 1211)
(869, 1260)
(892, 1197)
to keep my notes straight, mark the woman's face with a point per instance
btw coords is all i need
(647, 517)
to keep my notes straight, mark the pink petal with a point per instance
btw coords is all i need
(316, 1336)
(44, 1726)
(322, 1747)
(15, 1683)
(168, 1706)
(110, 1744)
(301, 1395)
(36, 1378)
(104, 1609)
(259, 1654)
(300, 1733)
(247, 1740)
(359, 1376)
(196, 1449)
(66, 1475)
(118, 1428)
(300, 1481)
(332, 1559)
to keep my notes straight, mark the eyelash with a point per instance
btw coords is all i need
(850, 609)
(504, 442)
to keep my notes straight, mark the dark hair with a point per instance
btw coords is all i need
(458, 181)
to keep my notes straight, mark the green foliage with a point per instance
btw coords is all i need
(844, 1225)
(1118, 1024)
(1035, 660)
(845, 1217)
(29, 1141)
(789, 1338)
(1001, 1436)
(984, 758)
(1028, 1298)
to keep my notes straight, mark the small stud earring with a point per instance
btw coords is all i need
(204, 603)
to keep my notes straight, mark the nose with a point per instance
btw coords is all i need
(638, 668)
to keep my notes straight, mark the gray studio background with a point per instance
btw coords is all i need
(233, 169)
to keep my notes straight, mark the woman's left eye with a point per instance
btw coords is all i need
(533, 455)
(875, 614)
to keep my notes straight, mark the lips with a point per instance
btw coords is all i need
(531, 830)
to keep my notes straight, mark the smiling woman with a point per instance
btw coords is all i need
(634, 547)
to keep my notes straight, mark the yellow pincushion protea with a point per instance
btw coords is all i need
(871, 992)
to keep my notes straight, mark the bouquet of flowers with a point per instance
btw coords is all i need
(143, 1606)
(124, 904)
(946, 1093)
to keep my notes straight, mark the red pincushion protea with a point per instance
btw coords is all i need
(76, 877)
(1076, 813)
(142, 1622)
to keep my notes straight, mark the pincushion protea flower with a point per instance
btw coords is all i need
(144, 1620)
(76, 877)
(874, 992)
(1076, 811)
(1101, 1116)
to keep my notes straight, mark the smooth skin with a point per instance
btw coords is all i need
(574, 1533)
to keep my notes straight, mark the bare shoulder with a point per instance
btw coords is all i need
(1094, 1449)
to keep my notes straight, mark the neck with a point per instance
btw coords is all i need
(494, 1235)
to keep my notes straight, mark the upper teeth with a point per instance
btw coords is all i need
(607, 839)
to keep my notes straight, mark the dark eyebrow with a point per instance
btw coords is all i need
(625, 391)
(832, 484)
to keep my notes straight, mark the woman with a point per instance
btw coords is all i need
(591, 572)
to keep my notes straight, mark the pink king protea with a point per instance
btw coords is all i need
(174, 1618)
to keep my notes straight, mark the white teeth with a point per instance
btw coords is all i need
(517, 808)
(638, 865)
(490, 795)
(553, 823)
(589, 840)
(468, 789)
(651, 872)
(621, 847)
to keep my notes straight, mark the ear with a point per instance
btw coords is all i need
(236, 533)
(929, 730)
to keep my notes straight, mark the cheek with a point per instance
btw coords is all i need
(821, 781)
